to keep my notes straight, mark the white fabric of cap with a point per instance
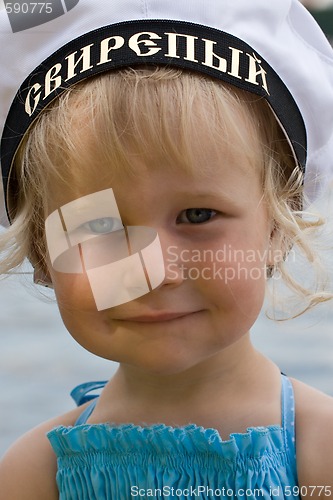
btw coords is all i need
(282, 31)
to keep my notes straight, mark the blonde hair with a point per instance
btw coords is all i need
(156, 109)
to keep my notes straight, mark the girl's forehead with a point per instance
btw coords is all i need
(122, 139)
(217, 171)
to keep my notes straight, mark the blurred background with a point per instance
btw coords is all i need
(40, 363)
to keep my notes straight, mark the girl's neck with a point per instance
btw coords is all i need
(229, 367)
(239, 378)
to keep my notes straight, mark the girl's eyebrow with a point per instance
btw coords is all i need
(208, 195)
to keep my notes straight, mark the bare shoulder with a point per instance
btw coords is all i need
(314, 438)
(28, 469)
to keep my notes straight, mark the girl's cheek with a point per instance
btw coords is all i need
(73, 291)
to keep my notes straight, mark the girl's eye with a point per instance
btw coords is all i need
(103, 226)
(196, 215)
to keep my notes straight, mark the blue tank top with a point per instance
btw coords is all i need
(122, 462)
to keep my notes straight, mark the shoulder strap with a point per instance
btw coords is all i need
(83, 417)
(288, 419)
(81, 395)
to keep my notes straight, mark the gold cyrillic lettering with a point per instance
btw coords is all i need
(255, 69)
(85, 57)
(106, 49)
(34, 93)
(190, 46)
(134, 43)
(52, 80)
(235, 62)
(210, 57)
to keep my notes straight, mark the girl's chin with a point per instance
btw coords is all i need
(159, 360)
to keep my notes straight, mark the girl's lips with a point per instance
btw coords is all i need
(157, 318)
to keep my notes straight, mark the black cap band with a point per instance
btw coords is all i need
(158, 42)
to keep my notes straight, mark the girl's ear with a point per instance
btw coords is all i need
(42, 277)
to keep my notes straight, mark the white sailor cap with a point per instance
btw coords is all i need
(274, 49)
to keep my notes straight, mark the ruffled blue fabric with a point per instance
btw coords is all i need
(123, 462)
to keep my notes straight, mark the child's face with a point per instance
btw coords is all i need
(214, 233)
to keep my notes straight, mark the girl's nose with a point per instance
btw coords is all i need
(157, 249)
(173, 268)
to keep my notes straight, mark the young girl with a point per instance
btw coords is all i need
(154, 176)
